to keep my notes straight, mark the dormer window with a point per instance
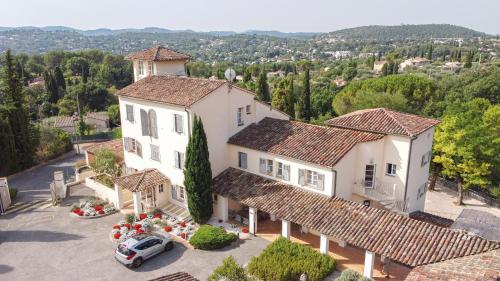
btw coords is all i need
(140, 65)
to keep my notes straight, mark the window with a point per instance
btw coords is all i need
(390, 169)
(283, 171)
(369, 175)
(242, 160)
(141, 67)
(179, 160)
(215, 198)
(178, 124)
(130, 112)
(155, 152)
(426, 158)
(248, 109)
(239, 116)
(311, 179)
(150, 67)
(178, 193)
(160, 188)
(153, 125)
(133, 146)
(144, 123)
(266, 166)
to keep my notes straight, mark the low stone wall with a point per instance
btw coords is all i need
(102, 191)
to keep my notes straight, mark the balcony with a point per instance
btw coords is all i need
(386, 194)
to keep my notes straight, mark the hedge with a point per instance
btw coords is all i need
(210, 237)
(351, 275)
(284, 260)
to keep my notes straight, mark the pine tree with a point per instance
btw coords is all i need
(14, 111)
(198, 174)
(305, 101)
(263, 87)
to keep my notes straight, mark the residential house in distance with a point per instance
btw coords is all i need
(414, 62)
(98, 121)
(378, 65)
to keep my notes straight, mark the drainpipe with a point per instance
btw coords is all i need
(408, 173)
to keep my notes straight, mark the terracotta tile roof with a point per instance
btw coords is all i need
(430, 218)
(158, 53)
(175, 90)
(64, 121)
(141, 180)
(480, 267)
(100, 115)
(402, 239)
(179, 276)
(320, 145)
(114, 145)
(385, 121)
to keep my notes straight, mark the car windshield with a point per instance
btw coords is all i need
(122, 248)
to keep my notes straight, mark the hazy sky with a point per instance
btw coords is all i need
(304, 15)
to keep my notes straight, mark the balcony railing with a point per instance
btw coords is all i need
(386, 194)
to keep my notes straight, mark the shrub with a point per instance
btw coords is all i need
(495, 192)
(210, 237)
(105, 179)
(284, 260)
(12, 193)
(130, 218)
(229, 271)
(105, 161)
(351, 275)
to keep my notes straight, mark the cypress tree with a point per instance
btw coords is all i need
(59, 78)
(263, 87)
(306, 97)
(7, 147)
(468, 60)
(17, 116)
(51, 86)
(290, 99)
(279, 100)
(429, 54)
(198, 174)
(247, 75)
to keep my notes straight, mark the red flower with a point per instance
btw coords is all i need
(137, 226)
(127, 225)
(76, 210)
(244, 230)
(157, 216)
(142, 216)
(168, 228)
(183, 235)
(101, 212)
(183, 224)
(139, 231)
(117, 235)
(98, 208)
(80, 213)
(116, 227)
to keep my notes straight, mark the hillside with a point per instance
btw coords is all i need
(404, 32)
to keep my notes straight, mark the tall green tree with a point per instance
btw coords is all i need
(51, 86)
(247, 75)
(17, 115)
(59, 78)
(262, 86)
(198, 174)
(290, 97)
(429, 53)
(468, 60)
(7, 147)
(466, 148)
(305, 99)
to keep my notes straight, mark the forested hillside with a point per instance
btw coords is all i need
(404, 32)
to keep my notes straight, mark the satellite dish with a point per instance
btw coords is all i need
(230, 75)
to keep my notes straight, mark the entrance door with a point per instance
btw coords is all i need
(369, 181)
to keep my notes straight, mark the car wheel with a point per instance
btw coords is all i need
(137, 262)
(169, 246)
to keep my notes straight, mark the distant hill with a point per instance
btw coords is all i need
(279, 34)
(404, 32)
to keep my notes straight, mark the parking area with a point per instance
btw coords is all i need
(49, 244)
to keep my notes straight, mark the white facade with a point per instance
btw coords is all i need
(144, 68)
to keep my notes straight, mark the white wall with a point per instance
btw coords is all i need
(253, 157)
(168, 140)
(417, 181)
(160, 68)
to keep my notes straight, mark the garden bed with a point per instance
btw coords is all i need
(105, 180)
(156, 221)
(92, 208)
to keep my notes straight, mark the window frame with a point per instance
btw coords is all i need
(390, 169)
(283, 171)
(312, 179)
(240, 160)
(239, 116)
(374, 170)
(161, 188)
(129, 115)
(179, 160)
(268, 166)
(140, 67)
(248, 109)
(153, 147)
(178, 129)
(150, 67)
(152, 123)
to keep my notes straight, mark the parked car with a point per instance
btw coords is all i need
(135, 250)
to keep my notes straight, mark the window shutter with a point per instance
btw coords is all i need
(244, 166)
(181, 160)
(139, 148)
(262, 166)
(176, 159)
(153, 124)
(144, 123)
(301, 176)
(126, 144)
(178, 123)
(286, 172)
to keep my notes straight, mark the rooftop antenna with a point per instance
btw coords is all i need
(230, 75)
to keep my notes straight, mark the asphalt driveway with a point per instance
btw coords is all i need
(49, 244)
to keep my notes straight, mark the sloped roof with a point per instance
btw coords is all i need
(480, 267)
(402, 239)
(114, 145)
(158, 53)
(385, 121)
(177, 90)
(179, 276)
(141, 180)
(320, 145)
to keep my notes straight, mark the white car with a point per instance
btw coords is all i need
(135, 250)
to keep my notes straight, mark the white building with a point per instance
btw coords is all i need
(378, 156)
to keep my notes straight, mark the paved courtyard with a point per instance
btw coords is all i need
(46, 243)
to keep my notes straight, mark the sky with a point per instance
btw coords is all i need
(238, 15)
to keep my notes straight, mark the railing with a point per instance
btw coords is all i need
(379, 191)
